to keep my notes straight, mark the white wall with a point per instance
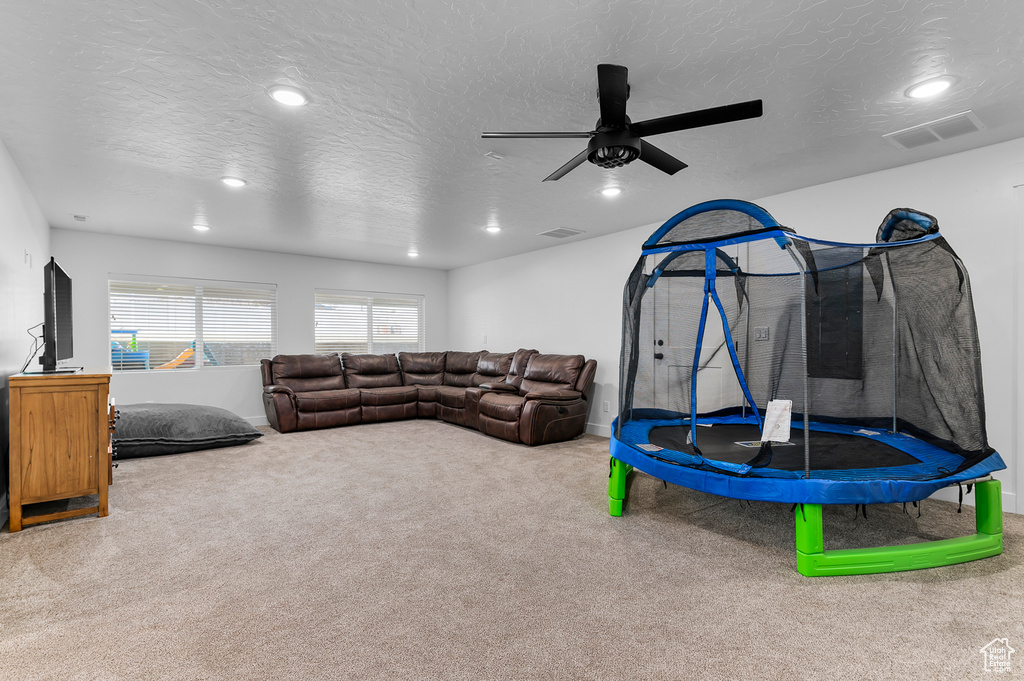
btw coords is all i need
(90, 258)
(25, 236)
(566, 299)
(569, 298)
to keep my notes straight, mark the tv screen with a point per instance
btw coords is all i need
(57, 332)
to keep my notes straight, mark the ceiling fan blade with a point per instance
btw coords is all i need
(698, 119)
(564, 170)
(612, 93)
(540, 135)
(664, 162)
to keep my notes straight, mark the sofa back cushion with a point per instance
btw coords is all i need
(422, 368)
(371, 371)
(460, 368)
(518, 366)
(492, 367)
(551, 372)
(305, 373)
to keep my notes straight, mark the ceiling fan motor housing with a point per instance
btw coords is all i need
(613, 148)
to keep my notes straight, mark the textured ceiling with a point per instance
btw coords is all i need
(128, 112)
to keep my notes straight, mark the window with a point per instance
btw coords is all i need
(165, 325)
(359, 322)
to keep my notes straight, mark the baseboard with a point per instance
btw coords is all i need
(257, 420)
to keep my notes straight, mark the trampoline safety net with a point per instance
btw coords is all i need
(726, 310)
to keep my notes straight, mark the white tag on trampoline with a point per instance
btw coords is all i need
(647, 447)
(776, 421)
(865, 431)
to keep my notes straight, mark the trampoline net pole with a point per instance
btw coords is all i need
(803, 353)
(746, 332)
(895, 355)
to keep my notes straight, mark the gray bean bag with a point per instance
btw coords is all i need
(150, 429)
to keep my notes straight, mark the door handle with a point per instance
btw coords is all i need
(658, 355)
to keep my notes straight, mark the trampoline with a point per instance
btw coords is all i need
(873, 348)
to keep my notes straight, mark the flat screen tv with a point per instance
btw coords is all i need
(57, 332)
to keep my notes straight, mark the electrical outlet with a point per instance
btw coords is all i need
(605, 407)
(760, 333)
(485, 339)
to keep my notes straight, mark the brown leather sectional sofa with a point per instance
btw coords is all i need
(522, 397)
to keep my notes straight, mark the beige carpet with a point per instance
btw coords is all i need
(420, 550)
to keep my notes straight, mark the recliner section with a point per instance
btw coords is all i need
(549, 405)
(382, 394)
(522, 397)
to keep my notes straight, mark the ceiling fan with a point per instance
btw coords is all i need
(617, 141)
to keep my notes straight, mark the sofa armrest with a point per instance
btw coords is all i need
(272, 391)
(280, 405)
(499, 387)
(555, 395)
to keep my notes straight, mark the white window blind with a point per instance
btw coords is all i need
(166, 325)
(375, 323)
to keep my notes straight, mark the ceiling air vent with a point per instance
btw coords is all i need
(943, 129)
(561, 233)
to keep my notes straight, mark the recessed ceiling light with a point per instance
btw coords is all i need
(611, 191)
(288, 95)
(201, 228)
(930, 87)
(414, 254)
(233, 181)
(493, 229)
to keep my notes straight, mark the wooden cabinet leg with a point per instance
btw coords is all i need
(15, 519)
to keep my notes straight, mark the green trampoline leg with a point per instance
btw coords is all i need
(617, 486)
(813, 561)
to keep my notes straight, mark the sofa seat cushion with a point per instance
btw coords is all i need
(501, 406)
(379, 397)
(427, 393)
(327, 400)
(451, 396)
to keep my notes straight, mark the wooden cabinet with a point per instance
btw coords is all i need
(60, 443)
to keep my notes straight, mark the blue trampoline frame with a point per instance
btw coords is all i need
(862, 486)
